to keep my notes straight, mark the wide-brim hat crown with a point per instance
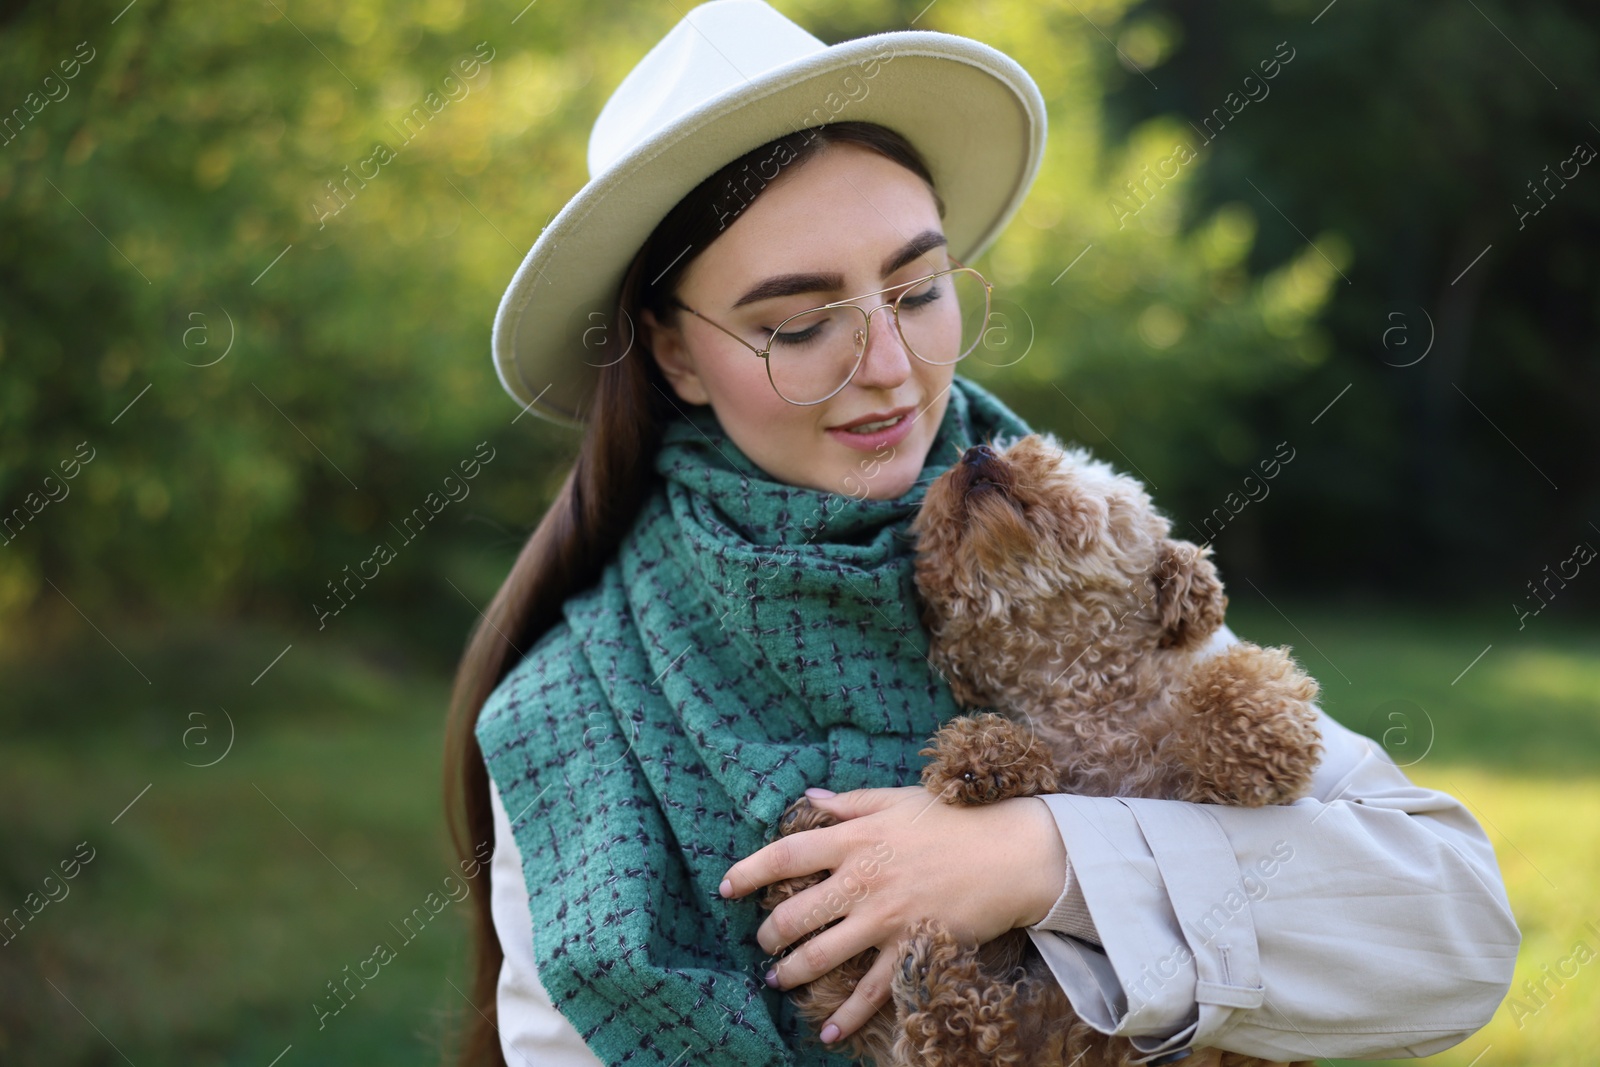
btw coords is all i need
(730, 76)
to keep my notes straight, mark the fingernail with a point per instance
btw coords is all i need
(726, 888)
(830, 1034)
(818, 791)
(772, 978)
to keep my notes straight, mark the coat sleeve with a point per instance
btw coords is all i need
(1366, 920)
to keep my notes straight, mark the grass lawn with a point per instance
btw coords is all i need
(217, 907)
(220, 904)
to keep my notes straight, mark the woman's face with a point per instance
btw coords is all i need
(845, 222)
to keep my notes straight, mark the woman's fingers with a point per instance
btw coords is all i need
(811, 850)
(814, 958)
(858, 802)
(811, 909)
(871, 993)
(787, 857)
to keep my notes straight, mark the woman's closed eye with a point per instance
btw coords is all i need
(811, 328)
(935, 290)
(798, 337)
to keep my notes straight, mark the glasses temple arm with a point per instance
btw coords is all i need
(719, 326)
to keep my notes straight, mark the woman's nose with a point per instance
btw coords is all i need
(885, 363)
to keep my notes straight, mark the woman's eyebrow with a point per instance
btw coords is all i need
(926, 241)
(792, 284)
(789, 285)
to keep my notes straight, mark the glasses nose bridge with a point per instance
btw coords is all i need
(866, 317)
(866, 312)
(865, 335)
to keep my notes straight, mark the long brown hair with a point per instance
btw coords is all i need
(596, 504)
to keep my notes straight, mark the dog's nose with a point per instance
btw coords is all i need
(978, 455)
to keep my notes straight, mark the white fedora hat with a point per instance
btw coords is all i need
(730, 76)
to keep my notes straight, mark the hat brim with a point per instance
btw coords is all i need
(973, 112)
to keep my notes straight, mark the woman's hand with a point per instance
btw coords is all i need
(899, 856)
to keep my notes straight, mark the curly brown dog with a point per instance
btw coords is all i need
(1054, 594)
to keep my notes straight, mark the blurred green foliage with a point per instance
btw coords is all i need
(272, 333)
(1415, 138)
(192, 195)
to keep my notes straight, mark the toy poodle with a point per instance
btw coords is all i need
(1055, 595)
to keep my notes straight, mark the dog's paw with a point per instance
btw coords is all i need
(800, 815)
(912, 987)
(1250, 737)
(929, 953)
(982, 759)
(950, 1013)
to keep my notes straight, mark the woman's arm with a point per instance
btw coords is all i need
(1367, 920)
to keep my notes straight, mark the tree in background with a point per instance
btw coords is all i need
(251, 257)
(1444, 146)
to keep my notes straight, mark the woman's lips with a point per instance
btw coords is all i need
(872, 442)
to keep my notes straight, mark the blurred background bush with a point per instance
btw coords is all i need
(222, 382)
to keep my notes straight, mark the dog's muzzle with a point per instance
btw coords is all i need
(979, 455)
(981, 468)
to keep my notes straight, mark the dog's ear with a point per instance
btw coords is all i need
(1189, 600)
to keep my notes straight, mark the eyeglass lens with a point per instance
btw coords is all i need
(941, 320)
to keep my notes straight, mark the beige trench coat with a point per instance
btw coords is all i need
(1368, 920)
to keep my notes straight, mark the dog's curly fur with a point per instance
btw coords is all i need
(1053, 592)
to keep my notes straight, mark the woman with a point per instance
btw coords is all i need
(717, 613)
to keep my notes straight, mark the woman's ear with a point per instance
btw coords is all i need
(671, 354)
(1189, 600)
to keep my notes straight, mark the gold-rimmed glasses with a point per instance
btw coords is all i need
(812, 355)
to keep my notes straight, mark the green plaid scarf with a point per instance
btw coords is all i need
(749, 639)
